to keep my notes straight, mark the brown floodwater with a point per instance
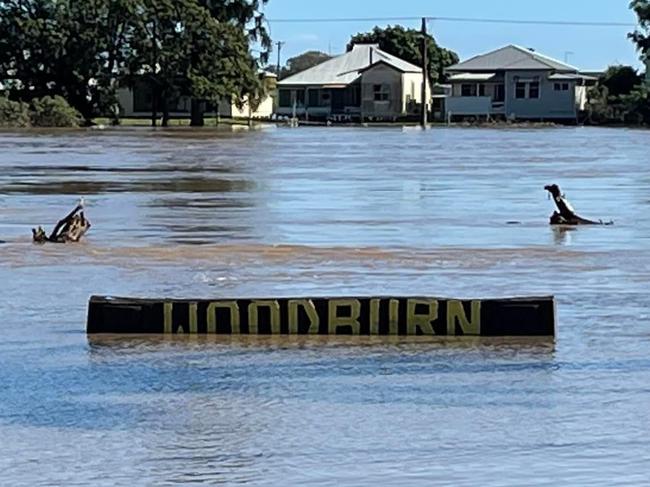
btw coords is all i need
(457, 212)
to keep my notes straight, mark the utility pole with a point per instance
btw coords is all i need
(566, 56)
(279, 44)
(154, 85)
(425, 76)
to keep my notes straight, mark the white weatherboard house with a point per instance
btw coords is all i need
(365, 83)
(515, 83)
(137, 103)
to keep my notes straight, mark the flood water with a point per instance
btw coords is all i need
(453, 212)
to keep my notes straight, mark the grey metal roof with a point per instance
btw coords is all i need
(472, 76)
(344, 69)
(511, 58)
(571, 76)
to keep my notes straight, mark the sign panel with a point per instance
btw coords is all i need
(325, 316)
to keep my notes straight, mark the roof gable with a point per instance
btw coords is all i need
(346, 68)
(511, 58)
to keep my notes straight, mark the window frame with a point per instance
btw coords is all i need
(473, 92)
(381, 92)
(521, 85)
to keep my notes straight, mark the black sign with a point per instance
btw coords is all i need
(325, 316)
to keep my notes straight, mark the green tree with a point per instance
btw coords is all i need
(178, 47)
(620, 80)
(53, 111)
(13, 113)
(406, 44)
(81, 50)
(62, 47)
(641, 36)
(247, 16)
(303, 61)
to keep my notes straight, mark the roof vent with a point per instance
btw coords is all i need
(531, 49)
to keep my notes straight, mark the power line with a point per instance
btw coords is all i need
(458, 19)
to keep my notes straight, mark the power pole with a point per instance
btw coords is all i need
(279, 44)
(425, 76)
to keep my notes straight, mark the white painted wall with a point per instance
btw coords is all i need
(226, 109)
(265, 110)
(412, 88)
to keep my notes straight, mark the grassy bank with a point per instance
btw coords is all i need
(175, 122)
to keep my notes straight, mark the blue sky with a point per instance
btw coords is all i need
(584, 47)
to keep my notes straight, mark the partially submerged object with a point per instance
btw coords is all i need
(70, 229)
(530, 316)
(566, 215)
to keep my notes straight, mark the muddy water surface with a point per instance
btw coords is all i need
(325, 211)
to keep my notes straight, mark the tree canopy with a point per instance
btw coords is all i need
(82, 50)
(303, 61)
(406, 44)
(641, 36)
(620, 80)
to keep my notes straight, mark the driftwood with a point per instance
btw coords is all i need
(70, 229)
(566, 215)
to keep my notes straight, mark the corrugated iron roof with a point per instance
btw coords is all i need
(345, 69)
(471, 76)
(571, 76)
(511, 58)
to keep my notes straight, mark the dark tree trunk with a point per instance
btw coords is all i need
(165, 110)
(154, 104)
(198, 107)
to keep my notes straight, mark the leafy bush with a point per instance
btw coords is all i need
(13, 113)
(54, 111)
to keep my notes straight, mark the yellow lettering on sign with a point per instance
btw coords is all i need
(168, 308)
(456, 314)
(253, 315)
(212, 315)
(335, 321)
(312, 314)
(393, 317)
(374, 316)
(168, 318)
(193, 318)
(423, 322)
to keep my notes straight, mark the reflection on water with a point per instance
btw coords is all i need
(328, 211)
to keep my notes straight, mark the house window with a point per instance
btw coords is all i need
(314, 96)
(142, 98)
(499, 93)
(381, 92)
(468, 90)
(561, 86)
(520, 90)
(300, 98)
(527, 89)
(285, 98)
(325, 98)
(481, 90)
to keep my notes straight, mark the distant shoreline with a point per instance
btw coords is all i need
(102, 123)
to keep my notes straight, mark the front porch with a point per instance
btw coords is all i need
(320, 102)
(476, 94)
